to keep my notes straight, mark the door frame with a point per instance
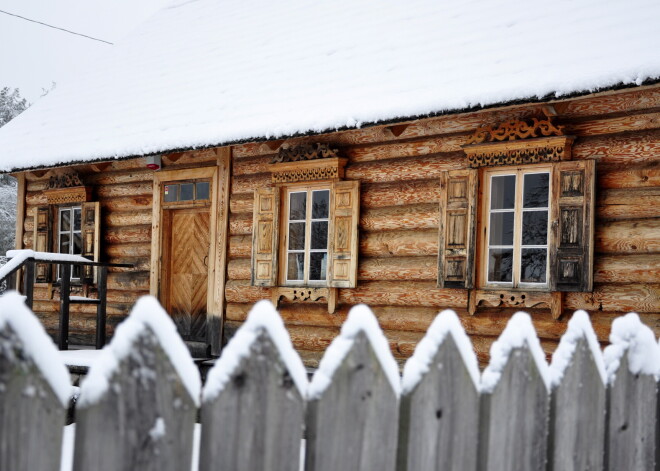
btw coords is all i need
(165, 176)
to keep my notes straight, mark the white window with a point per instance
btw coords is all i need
(518, 212)
(69, 235)
(307, 213)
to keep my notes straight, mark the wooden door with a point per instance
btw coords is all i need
(185, 264)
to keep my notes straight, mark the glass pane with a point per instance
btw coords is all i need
(77, 244)
(65, 221)
(535, 194)
(77, 216)
(65, 243)
(297, 206)
(501, 228)
(533, 265)
(503, 192)
(535, 228)
(296, 266)
(320, 235)
(320, 204)
(171, 193)
(186, 192)
(500, 265)
(297, 236)
(202, 190)
(317, 265)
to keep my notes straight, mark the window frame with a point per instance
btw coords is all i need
(71, 233)
(483, 258)
(283, 248)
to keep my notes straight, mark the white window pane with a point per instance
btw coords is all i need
(503, 192)
(171, 193)
(536, 188)
(535, 228)
(320, 235)
(296, 264)
(317, 265)
(186, 191)
(500, 265)
(296, 236)
(77, 215)
(65, 220)
(297, 206)
(501, 228)
(320, 204)
(77, 244)
(65, 243)
(533, 265)
(202, 190)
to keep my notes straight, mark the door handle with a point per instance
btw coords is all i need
(206, 259)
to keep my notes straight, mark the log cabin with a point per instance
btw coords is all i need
(328, 155)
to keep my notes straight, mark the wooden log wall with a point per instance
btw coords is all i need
(399, 169)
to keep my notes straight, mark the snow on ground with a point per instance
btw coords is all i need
(360, 319)
(262, 317)
(279, 68)
(446, 323)
(147, 313)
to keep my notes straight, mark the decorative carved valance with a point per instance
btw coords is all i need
(307, 163)
(297, 295)
(518, 142)
(305, 152)
(516, 299)
(67, 188)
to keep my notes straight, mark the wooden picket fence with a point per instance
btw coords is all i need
(139, 405)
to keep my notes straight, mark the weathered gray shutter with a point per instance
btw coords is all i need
(457, 231)
(90, 237)
(43, 229)
(571, 247)
(343, 234)
(265, 236)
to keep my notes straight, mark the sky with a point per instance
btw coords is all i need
(33, 56)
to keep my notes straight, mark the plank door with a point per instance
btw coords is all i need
(185, 269)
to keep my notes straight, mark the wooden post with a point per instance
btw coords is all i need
(101, 307)
(143, 419)
(439, 424)
(65, 294)
(632, 413)
(514, 417)
(354, 424)
(28, 283)
(256, 421)
(577, 415)
(32, 417)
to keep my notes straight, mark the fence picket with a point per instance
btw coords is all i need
(578, 401)
(352, 419)
(253, 407)
(138, 404)
(515, 402)
(439, 422)
(34, 391)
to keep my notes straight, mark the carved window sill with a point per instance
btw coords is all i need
(306, 295)
(516, 299)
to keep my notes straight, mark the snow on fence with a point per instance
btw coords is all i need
(139, 404)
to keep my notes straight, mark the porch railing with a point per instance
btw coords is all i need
(28, 259)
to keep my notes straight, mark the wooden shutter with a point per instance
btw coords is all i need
(571, 245)
(457, 231)
(343, 234)
(90, 237)
(43, 230)
(265, 236)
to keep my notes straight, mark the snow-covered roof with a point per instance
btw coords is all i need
(211, 72)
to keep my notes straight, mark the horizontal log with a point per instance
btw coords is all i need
(374, 195)
(635, 177)
(251, 165)
(412, 243)
(127, 250)
(240, 291)
(404, 169)
(621, 298)
(623, 101)
(249, 183)
(240, 224)
(399, 293)
(241, 203)
(127, 218)
(407, 217)
(239, 269)
(611, 125)
(121, 177)
(628, 203)
(623, 150)
(410, 148)
(240, 246)
(42, 292)
(639, 268)
(628, 236)
(81, 313)
(134, 281)
(123, 189)
(127, 202)
(127, 234)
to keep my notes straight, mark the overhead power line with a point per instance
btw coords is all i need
(55, 27)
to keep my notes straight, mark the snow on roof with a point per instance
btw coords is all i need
(579, 327)
(360, 319)
(445, 323)
(262, 317)
(146, 313)
(630, 335)
(518, 332)
(211, 72)
(36, 343)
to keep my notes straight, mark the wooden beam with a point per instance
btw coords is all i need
(100, 166)
(397, 129)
